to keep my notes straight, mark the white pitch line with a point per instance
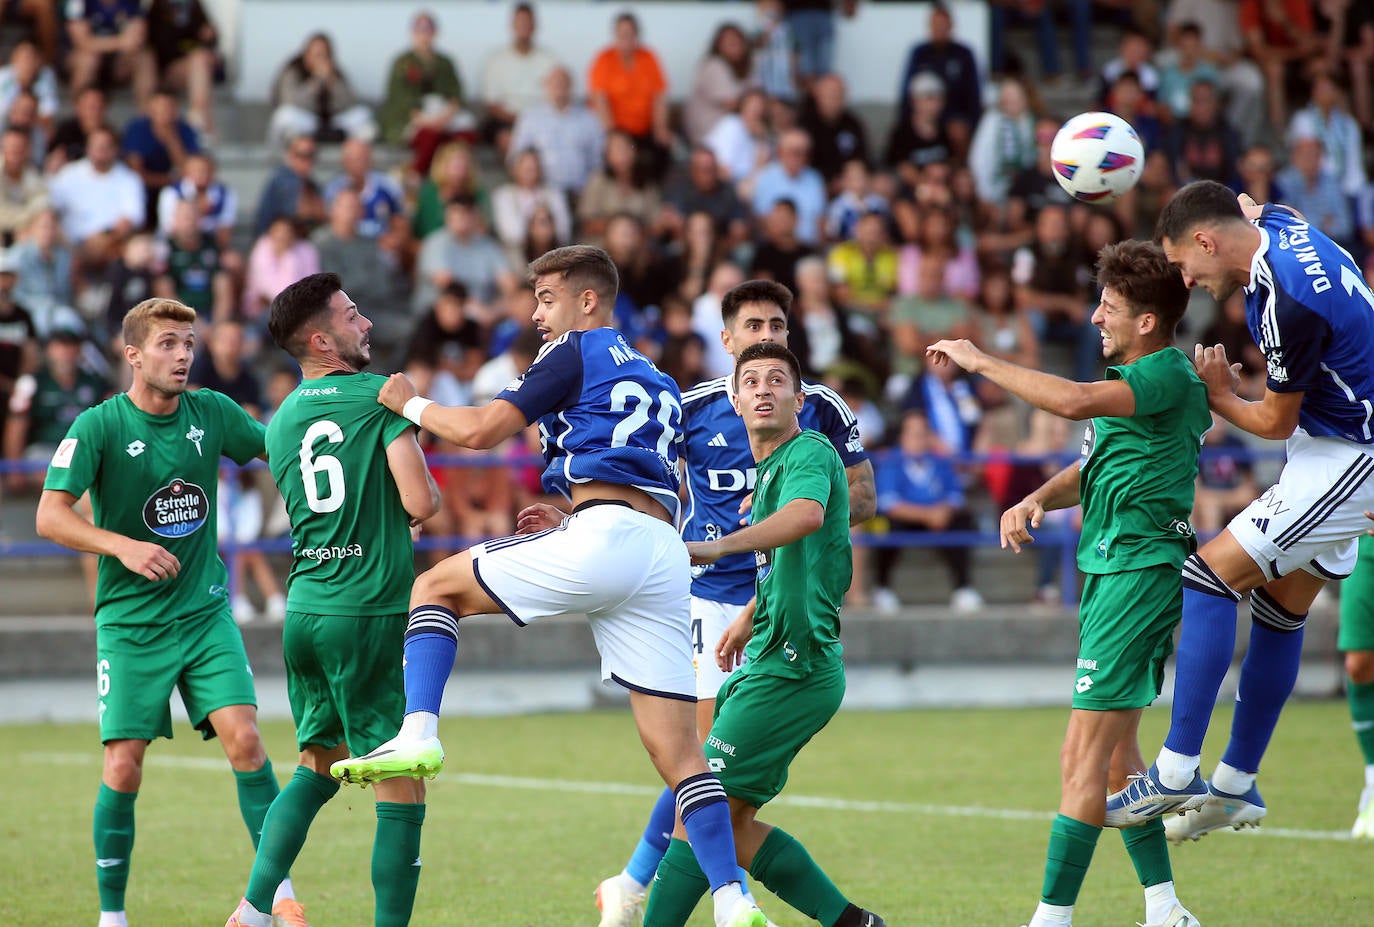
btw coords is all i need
(626, 788)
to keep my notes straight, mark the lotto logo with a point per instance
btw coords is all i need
(716, 763)
(1083, 684)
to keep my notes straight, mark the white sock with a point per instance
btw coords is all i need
(1051, 915)
(631, 884)
(284, 890)
(1175, 769)
(725, 898)
(1231, 780)
(1159, 901)
(113, 919)
(252, 917)
(419, 725)
(1369, 775)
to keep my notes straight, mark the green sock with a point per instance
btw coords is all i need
(283, 833)
(677, 888)
(787, 870)
(1071, 850)
(396, 861)
(1149, 852)
(114, 844)
(1361, 698)
(256, 790)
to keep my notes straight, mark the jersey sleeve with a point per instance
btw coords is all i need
(1155, 385)
(244, 436)
(807, 477)
(76, 461)
(552, 382)
(1293, 363)
(836, 421)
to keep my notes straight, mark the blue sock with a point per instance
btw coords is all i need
(1266, 680)
(646, 857)
(1206, 646)
(430, 649)
(706, 816)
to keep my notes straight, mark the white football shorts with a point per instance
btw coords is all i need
(709, 621)
(1312, 518)
(626, 571)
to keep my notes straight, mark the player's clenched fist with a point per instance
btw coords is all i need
(538, 517)
(151, 561)
(395, 391)
(1017, 522)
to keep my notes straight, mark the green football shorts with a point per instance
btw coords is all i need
(344, 678)
(137, 667)
(1125, 633)
(1357, 602)
(762, 722)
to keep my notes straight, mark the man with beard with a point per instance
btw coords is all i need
(354, 480)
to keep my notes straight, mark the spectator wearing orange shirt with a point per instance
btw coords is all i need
(629, 92)
(1280, 35)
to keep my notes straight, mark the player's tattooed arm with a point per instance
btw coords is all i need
(863, 498)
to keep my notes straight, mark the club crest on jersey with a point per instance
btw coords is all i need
(176, 510)
(195, 435)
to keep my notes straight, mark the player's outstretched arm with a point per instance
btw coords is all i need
(479, 428)
(792, 522)
(59, 522)
(1059, 492)
(1273, 416)
(863, 498)
(1065, 398)
(419, 493)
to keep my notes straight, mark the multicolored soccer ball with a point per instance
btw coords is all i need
(1096, 157)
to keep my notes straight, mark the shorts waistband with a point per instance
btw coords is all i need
(583, 506)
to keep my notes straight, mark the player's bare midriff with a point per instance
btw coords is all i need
(637, 499)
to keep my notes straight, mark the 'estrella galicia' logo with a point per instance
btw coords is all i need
(176, 510)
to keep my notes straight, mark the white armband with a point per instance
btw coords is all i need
(415, 407)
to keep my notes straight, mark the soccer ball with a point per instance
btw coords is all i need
(1097, 157)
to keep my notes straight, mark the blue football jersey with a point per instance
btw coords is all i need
(1312, 314)
(720, 473)
(605, 413)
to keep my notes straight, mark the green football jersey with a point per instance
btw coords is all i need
(801, 585)
(350, 534)
(1138, 473)
(153, 478)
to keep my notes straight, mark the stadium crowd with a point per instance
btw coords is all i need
(951, 226)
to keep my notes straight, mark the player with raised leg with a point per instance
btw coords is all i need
(610, 423)
(720, 474)
(1135, 481)
(150, 458)
(1312, 315)
(354, 480)
(793, 680)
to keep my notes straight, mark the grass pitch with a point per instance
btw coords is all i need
(930, 818)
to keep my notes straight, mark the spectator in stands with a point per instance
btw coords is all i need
(18, 337)
(937, 243)
(1134, 52)
(952, 62)
(921, 135)
(645, 278)
(863, 270)
(812, 25)
(44, 264)
(1230, 330)
(918, 490)
(194, 265)
(778, 249)
(460, 251)
(1281, 36)
(514, 202)
(1225, 478)
(109, 41)
(926, 313)
(1126, 98)
(721, 78)
(291, 190)
(44, 17)
(789, 176)
(369, 275)
(699, 188)
(775, 54)
(424, 104)
(453, 173)
(45, 403)
(742, 143)
(69, 139)
(157, 143)
(1352, 33)
(856, 197)
(384, 211)
(217, 205)
(130, 279)
(185, 44)
(1257, 170)
(23, 115)
(1001, 330)
(281, 256)
(623, 184)
(1042, 15)
(1326, 117)
(28, 72)
(1311, 189)
(1187, 65)
(698, 250)
(836, 133)
(513, 78)
(629, 93)
(1051, 280)
(1223, 46)
(950, 404)
(684, 358)
(1203, 146)
(567, 135)
(100, 199)
(819, 333)
(1156, 187)
(706, 317)
(541, 237)
(1032, 189)
(23, 191)
(312, 97)
(1003, 144)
